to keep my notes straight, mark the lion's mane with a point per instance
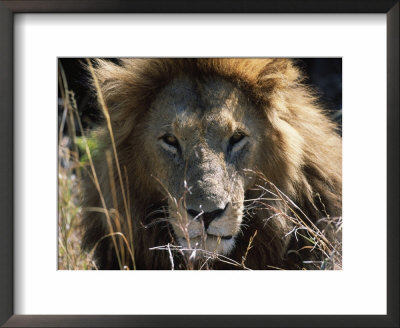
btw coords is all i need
(303, 160)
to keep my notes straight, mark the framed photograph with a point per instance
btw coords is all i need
(216, 196)
(228, 133)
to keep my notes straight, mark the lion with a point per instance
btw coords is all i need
(216, 163)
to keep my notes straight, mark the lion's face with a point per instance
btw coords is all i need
(202, 137)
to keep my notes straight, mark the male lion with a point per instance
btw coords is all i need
(216, 163)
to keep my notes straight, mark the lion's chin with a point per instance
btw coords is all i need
(209, 244)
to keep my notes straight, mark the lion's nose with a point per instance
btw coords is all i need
(207, 217)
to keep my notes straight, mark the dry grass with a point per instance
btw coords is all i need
(70, 256)
(75, 157)
(323, 237)
(328, 250)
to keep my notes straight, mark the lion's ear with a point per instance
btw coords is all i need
(261, 77)
(113, 85)
(278, 75)
(109, 82)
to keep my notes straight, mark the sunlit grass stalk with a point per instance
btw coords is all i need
(106, 113)
(95, 178)
(114, 198)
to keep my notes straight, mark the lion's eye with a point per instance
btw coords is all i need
(171, 140)
(238, 136)
(235, 140)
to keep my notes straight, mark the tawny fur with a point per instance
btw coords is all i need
(301, 155)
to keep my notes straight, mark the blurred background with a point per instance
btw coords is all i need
(324, 74)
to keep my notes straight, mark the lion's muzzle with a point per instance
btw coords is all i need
(207, 217)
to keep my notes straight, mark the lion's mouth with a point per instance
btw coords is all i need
(211, 243)
(210, 235)
(218, 236)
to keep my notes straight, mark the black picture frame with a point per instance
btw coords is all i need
(11, 7)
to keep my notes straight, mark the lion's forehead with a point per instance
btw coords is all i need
(191, 107)
(199, 94)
